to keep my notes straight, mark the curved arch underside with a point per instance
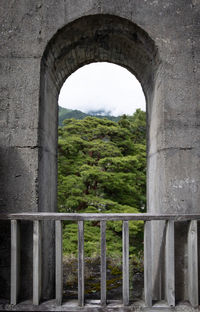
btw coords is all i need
(101, 38)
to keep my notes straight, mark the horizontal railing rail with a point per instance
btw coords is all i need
(148, 219)
(98, 216)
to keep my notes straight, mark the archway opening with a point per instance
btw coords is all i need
(99, 38)
(89, 39)
(102, 169)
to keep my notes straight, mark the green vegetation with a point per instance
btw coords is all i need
(102, 168)
(65, 113)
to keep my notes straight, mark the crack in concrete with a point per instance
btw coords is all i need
(189, 148)
(27, 146)
(20, 57)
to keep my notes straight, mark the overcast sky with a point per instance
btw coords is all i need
(102, 86)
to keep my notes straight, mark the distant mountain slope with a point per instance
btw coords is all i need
(65, 113)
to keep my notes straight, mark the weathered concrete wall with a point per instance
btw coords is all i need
(28, 106)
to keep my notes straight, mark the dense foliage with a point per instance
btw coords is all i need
(102, 168)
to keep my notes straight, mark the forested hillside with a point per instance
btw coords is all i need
(102, 168)
(65, 113)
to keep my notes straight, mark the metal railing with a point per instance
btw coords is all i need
(148, 219)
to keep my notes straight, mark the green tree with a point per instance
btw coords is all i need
(102, 168)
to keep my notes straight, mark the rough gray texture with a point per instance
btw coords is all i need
(94, 306)
(42, 43)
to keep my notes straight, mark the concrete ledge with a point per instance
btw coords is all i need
(94, 306)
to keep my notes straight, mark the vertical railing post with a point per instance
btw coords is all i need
(15, 261)
(125, 239)
(81, 263)
(103, 263)
(147, 264)
(193, 264)
(59, 262)
(169, 264)
(36, 262)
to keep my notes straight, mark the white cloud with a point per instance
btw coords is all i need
(102, 86)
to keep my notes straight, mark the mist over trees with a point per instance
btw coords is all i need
(65, 113)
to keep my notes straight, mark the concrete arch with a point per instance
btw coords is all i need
(30, 71)
(93, 38)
